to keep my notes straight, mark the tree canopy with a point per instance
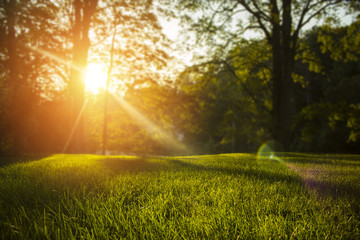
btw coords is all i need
(262, 70)
(220, 25)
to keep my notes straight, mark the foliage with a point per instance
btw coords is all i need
(28, 76)
(140, 48)
(228, 101)
(342, 43)
(329, 119)
(43, 48)
(232, 98)
(160, 105)
(219, 26)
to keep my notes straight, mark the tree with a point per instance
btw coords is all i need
(12, 62)
(231, 99)
(23, 79)
(329, 114)
(83, 12)
(42, 36)
(130, 25)
(132, 46)
(106, 100)
(281, 23)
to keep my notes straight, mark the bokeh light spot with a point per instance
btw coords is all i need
(268, 150)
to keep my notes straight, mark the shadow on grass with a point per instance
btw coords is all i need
(334, 184)
(119, 165)
(323, 188)
(336, 160)
(255, 172)
(328, 175)
(12, 159)
(334, 190)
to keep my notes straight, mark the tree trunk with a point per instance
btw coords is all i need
(287, 69)
(13, 103)
(106, 100)
(84, 9)
(276, 74)
(282, 65)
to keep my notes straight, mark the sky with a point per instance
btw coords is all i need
(172, 27)
(172, 30)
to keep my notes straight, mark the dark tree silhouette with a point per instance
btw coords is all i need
(281, 23)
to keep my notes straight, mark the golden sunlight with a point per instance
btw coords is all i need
(95, 78)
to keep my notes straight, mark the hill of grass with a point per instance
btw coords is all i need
(230, 196)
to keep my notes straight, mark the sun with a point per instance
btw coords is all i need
(95, 78)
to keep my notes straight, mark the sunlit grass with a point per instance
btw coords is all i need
(230, 196)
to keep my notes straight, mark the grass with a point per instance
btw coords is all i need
(231, 196)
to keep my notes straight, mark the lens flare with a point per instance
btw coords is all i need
(268, 151)
(162, 136)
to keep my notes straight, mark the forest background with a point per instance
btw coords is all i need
(154, 100)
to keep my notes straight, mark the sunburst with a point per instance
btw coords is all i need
(95, 78)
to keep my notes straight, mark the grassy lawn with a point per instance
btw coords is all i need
(232, 196)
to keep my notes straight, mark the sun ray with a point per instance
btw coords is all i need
(74, 127)
(154, 130)
(52, 56)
